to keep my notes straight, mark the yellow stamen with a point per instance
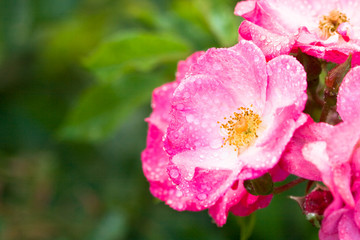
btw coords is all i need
(329, 24)
(241, 129)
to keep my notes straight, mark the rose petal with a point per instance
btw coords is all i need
(184, 66)
(272, 44)
(348, 99)
(347, 227)
(287, 83)
(293, 159)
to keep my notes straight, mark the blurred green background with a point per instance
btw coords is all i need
(76, 78)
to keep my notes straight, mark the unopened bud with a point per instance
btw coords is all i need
(314, 204)
(260, 186)
(317, 201)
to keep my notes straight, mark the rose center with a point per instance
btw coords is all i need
(329, 24)
(241, 128)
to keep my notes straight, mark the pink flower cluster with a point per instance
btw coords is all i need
(236, 114)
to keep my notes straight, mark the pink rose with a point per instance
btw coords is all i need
(321, 28)
(331, 154)
(231, 116)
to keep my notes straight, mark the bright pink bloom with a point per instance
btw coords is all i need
(321, 28)
(210, 153)
(332, 154)
(155, 161)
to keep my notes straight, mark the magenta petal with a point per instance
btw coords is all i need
(278, 174)
(241, 68)
(347, 227)
(184, 66)
(272, 44)
(335, 52)
(250, 203)
(239, 202)
(220, 209)
(244, 7)
(161, 105)
(293, 159)
(204, 174)
(342, 178)
(348, 99)
(204, 187)
(357, 213)
(330, 223)
(154, 157)
(155, 160)
(341, 143)
(195, 112)
(287, 83)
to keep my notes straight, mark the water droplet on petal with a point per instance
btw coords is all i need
(202, 196)
(174, 173)
(189, 118)
(215, 143)
(180, 106)
(178, 193)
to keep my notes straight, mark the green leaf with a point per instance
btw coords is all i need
(221, 20)
(102, 108)
(136, 50)
(185, 19)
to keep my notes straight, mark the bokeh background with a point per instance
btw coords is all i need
(76, 78)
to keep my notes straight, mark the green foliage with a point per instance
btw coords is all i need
(103, 107)
(220, 22)
(139, 51)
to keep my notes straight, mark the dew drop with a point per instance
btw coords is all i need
(215, 143)
(178, 193)
(180, 106)
(189, 118)
(217, 66)
(174, 173)
(202, 196)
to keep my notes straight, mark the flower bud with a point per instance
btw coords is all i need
(260, 186)
(314, 204)
(317, 201)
